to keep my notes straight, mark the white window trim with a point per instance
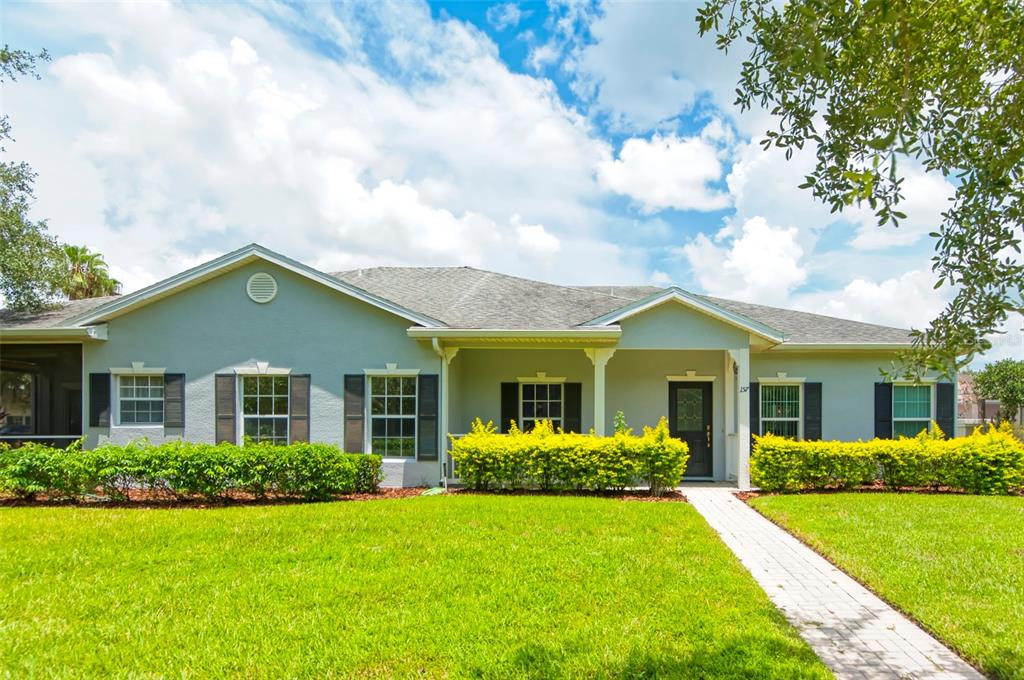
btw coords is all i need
(541, 378)
(240, 410)
(261, 368)
(138, 368)
(542, 381)
(924, 382)
(116, 422)
(782, 378)
(391, 371)
(690, 376)
(780, 382)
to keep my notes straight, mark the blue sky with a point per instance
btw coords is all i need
(566, 141)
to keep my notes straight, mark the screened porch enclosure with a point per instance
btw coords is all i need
(40, 393)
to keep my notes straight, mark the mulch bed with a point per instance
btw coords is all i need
(638, 496)
(150, 499)
(877, 487)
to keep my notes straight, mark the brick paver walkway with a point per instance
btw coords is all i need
(854, 632)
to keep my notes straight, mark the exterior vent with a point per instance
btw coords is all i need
(261, 287)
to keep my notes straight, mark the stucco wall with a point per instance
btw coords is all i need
(672, 326)
(847, 386)
(214, 327)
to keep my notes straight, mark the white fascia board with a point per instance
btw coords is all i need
(840, 347)
(596, 333)
(233, 260)
(689, 300)
(96, 332)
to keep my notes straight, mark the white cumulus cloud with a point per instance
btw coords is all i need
(230, 131)
(666, 172)
(762, 263)
(534, 240)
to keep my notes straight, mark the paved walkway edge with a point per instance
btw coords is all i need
(854, 632)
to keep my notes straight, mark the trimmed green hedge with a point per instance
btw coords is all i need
(183, 470)
(987, 462)
(548, 460)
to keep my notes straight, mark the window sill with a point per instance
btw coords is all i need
(147, 426)
(410, 459)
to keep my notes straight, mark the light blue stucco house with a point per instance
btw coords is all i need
(391, 359)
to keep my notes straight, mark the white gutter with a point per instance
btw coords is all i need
(590, 333)
(840, 347)
(97, 332)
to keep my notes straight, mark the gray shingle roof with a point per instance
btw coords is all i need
(51, 318)
(805, 327)
(464, 297)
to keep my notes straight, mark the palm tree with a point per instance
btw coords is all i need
(87, 275)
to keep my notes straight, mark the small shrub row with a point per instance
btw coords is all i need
(986, 462)
(549, 460)
(183, 470)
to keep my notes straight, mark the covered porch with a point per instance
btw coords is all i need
(580, 386)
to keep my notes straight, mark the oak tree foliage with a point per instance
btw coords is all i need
(874, 85)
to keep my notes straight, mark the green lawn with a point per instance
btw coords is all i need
(431, 586)
(955, 563)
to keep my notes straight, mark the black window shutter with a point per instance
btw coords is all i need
(944, 408)
(812, 411)
(174, 400)
(426, 418)
(673, 406)
(224, 398)
(883, 410)
(509, 404)
(99, 400)
(355, 400)
(572, 421)
(754, 392)
(298, 408)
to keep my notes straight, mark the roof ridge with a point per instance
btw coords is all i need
(591, 290)
(491, 273)
(520, 278)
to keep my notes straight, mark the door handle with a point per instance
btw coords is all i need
(708, 433)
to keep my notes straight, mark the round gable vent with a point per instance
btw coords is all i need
(261, 287)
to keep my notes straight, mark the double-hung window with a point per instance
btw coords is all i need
(393, 415)
(781, 410)
(911, 409)
(265, 408)
(140, 399)
(540, 401)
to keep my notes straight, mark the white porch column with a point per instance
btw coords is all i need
(599, 357)
(731, 464)
(742, 359)
(446, 354)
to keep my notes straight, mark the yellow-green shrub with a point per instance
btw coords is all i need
(549, 460)
(988, 461)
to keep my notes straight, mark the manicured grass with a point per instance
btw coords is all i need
(955, 563)
(449, 586)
